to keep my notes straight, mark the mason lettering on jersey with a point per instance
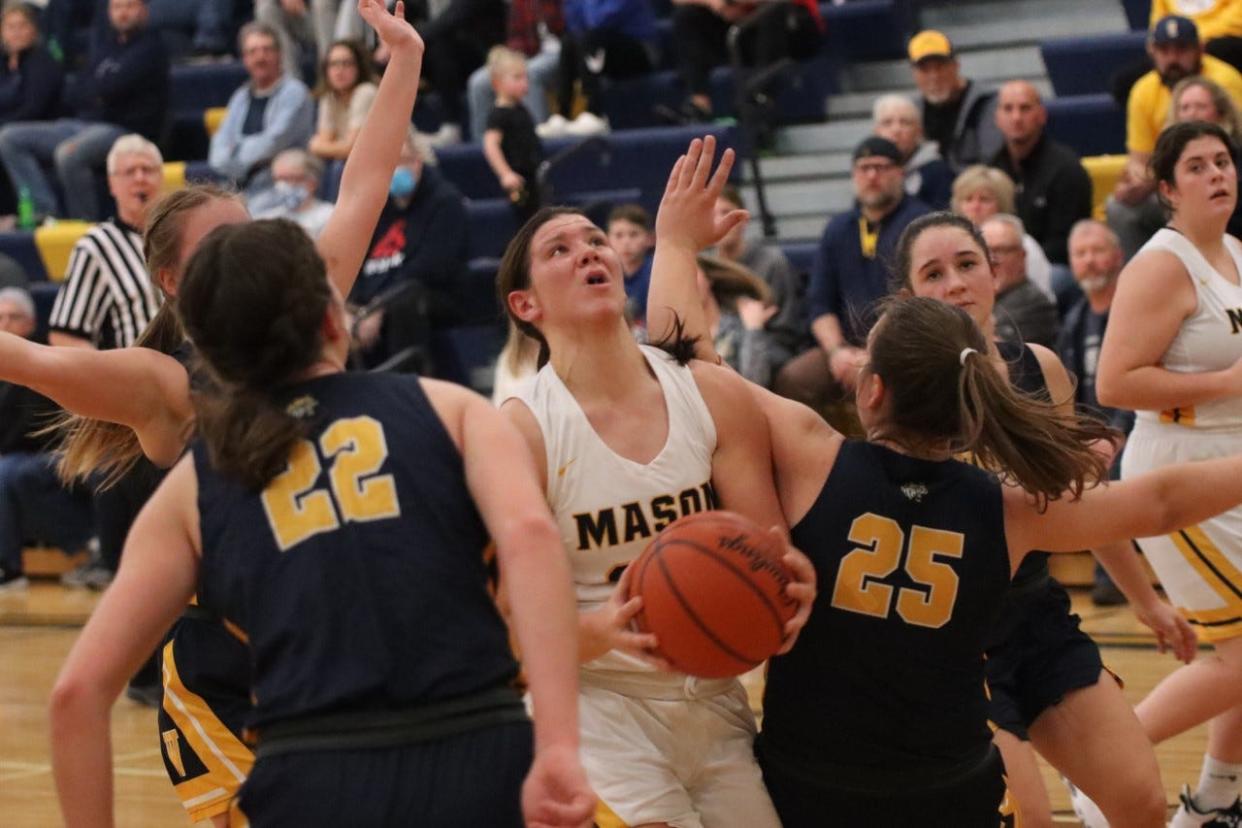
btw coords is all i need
(640, 520)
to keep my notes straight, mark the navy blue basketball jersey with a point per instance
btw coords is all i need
(358, 573)
(886, 683)
(1026, 375)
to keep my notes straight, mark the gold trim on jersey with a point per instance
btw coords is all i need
(1221, 576)
(1182, 415)
(605, 817)
(226, 758)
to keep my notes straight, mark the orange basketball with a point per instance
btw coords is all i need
(713, 590)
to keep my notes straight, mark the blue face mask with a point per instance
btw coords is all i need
(403, 182)
(290, 195)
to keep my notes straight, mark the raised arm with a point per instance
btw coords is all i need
(501, 476)
(1154, 296)
(685, 226)
(140, 388)
(1156, 503)
(156, 579)
(368, 172)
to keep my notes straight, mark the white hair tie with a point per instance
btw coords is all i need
(965, 352)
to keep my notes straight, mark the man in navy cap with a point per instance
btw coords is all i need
(850, 274)
(1177, 53)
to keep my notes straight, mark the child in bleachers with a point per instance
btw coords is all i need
(510, 144)
(629, 233)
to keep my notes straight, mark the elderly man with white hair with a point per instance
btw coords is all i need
(928, 176)
(33, 504)
(107, 298)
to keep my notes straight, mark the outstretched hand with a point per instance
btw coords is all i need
(394, 32)
(687, 215)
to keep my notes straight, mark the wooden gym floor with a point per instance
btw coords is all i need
(38, 627)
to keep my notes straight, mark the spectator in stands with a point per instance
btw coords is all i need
(928, 176)
(1024, 313)
(458, 39)
(535, 27)
(981, 192)
(630, 234)
(958, 115)
(849, 276)
(736, 307)
(1219, 23)
(510, 144)
(301, 25)
(272, 112)
(107, 298)
(785, 321)
(345, 91)
(1052, 189)
(613, 38)
(125, 89)
(34, 506)
(30, 78)
(1096, 260)
(296, 175)
(1177, 53)
(421, 239)
(774, 31)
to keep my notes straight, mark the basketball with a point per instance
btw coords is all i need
(713, 590)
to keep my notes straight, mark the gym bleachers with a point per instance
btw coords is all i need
(1085, 65)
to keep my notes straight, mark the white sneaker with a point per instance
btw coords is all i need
(1087, 811)
(554, 127)
(1189, 816)
(586, 124)
(447, 135)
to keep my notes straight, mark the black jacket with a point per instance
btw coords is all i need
(1053, 192)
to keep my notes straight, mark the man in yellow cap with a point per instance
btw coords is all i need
(957, 114)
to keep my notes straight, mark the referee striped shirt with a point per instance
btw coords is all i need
(107, 296)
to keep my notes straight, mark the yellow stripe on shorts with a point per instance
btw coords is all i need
(606, 818)
(1219, 573)
(227, 759)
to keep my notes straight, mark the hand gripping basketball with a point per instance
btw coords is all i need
(714, 593)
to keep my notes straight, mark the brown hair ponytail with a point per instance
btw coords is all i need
(943, 387)
(253, 301)
(87, 446)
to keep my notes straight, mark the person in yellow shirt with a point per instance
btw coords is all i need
(1177, 53)
(1219, 23)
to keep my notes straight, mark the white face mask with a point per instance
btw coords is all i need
(290, 195)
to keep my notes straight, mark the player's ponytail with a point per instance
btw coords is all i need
(87, 446)
(253, 301)
(945, 389)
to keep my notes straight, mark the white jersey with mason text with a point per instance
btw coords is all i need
(1210, 339)
(608, 508)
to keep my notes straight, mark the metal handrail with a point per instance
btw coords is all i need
(548, 165)
(743, 88)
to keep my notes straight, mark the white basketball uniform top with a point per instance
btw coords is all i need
(608, 507)
(1210, 339)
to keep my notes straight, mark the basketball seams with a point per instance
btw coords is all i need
(693, 616)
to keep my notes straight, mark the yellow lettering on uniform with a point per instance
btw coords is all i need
(172, 749)
(295, 511)
(359, 449)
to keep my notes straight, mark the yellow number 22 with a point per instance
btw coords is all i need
(860, 587)
(357, 447)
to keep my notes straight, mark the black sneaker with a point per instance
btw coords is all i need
(1190, 814)
(14, 581)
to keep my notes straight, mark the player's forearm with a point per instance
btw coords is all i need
(545, 621)
(1125, 568)
(82, 755)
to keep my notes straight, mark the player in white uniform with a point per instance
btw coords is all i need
(629, 440)
(1173, 352)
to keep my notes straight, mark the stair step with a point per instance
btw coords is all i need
(801, 167)
(987, 66)
(836, 136)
